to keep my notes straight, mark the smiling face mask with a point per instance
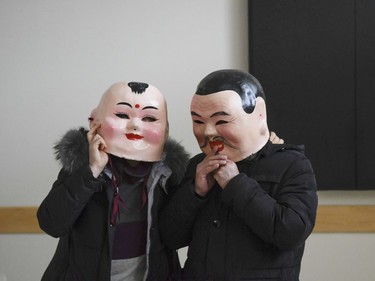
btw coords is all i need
(219, 122)
(133, 119)
(229, 116)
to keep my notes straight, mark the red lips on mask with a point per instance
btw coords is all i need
(133, 136)
(219, 145)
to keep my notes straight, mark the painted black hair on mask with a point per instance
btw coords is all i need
(243, 83)
(138, 87)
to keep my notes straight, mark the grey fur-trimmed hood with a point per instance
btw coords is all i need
(72, 153)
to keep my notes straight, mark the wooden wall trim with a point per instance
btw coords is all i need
(330, 219)
(19, 220)
(345, 218)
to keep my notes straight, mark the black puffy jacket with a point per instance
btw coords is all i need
(77, 209)
(254, 229)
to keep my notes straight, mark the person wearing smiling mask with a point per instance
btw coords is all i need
(246, 205)
(115, 177)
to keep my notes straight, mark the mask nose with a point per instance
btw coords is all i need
(134, 125)
(210, 130)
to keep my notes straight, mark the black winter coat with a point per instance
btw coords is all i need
(77, 211)
(254, 229)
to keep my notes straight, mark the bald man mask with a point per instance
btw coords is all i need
(133, 121)
(229, 114)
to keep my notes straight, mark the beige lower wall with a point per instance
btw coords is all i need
(328, 256)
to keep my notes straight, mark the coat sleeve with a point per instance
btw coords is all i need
(284, 219)
(66, 200)
(178, 216)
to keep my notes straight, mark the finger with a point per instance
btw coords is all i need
(272, 136)
(98, 140)
(216, 157)
(217, 162)
(95, 129)
(93, 132)
(212, 152)
(102, 145)
(213, 166)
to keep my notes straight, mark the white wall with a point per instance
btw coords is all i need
(56, 60)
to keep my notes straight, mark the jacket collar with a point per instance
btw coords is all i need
(72, 153)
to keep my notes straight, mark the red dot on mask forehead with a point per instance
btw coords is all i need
(137, 105)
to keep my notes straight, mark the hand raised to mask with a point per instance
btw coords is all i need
(225, 173)
(97, 157)
(204, 179)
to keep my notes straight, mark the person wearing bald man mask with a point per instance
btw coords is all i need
(246, 205)
(115, 177)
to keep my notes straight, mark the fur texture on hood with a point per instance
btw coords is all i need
(72, 152)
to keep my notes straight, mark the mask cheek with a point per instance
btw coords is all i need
(155, 136)
(199, 137)
(109, 130)
(106, 131)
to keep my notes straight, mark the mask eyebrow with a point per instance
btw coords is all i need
(125, 103)
(193, 113)
(219, 113)
(150, 107)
